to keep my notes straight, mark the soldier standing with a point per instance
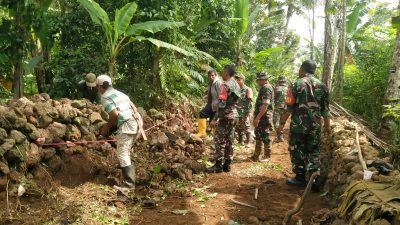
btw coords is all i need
(280, 106)
(308, 101)
(227, 118)
(244, 108)
(263, 117)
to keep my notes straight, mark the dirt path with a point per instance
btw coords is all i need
(275, 198)
(205, 200)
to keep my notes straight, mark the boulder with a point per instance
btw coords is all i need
(3, 135)
(6, 146)
(57, 131)
(160, 139)
(194, 139)
(73, 133)
(17, 153)
(79, 104)
(33, 155)
(17, 136)
(95, 117)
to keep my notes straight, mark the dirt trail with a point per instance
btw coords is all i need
(205, 200)
(275, 198)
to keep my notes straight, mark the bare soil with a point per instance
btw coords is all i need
(206, 200)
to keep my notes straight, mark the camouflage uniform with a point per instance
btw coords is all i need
(227, 116)
(265, 95)
(312, 102)
(244, 108)
(280, 106)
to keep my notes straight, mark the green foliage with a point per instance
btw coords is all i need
(366, 81)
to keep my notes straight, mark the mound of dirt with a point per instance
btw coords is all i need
(170, 152)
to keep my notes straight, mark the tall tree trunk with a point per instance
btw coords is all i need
(18, 85)
(342, 54)
(312, 31)
(392, 96)
(330, 46)
(289, 15)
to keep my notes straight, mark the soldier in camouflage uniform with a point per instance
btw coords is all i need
(227, 118)
(244, 108)
(280, 106)
(263, 118)
(308, 102)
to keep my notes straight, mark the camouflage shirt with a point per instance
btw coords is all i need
(265, 95)
(312, 102)
(245, 103)
(280, 96)
(228, 100)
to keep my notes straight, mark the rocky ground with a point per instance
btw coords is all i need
(53, 182)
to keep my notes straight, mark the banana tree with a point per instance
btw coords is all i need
(120, 32)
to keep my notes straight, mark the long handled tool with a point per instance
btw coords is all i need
(296, 209)
(40, 141)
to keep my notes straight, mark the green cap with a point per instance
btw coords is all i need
(239, 76)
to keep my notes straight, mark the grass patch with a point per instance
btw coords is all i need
(258, 168)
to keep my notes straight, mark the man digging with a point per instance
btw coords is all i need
(123, 114)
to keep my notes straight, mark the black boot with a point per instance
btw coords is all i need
(249, 138)
(217, 168)
(299, 180)
(227, 165)
(241, 141)
(128, 173)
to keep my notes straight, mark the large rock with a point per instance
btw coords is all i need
(73, 133)
(17, 136)
(95, 117)
(6, 146)
(3, 135)
(4, 168)
(79, 104)
(17, 153)
(57, 131)
(159, 139)
(33, 155)
(45, 114)
(82, 121)
(194, 139)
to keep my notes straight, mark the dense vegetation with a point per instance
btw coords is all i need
(53, 43)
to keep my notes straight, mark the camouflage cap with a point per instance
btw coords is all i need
(239, 76)
(282, 79)
(262, 76)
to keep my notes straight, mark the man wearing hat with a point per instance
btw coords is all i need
(211, 107)
(122, 113)
(280, 106)
(263, 117)
(244, 108)
(87, 88)
(225, 119)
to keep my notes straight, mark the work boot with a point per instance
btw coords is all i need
(299, 180)
(217, 168)
(249, 139)
(241, 141)
(128, 173)
(227, 165)
(257, 151)
(267, 153)
(202, 123)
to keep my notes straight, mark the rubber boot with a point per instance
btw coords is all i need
(227, 165)
(249, 139)
(217, 168)
(241, 141)
(299, 180)
(267, 153)
(202, 123)
(128, 173)
(257, 151)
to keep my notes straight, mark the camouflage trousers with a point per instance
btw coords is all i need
(243, 125)
(277, 117)
(224, 139)
(263, 130)
(304, 151)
